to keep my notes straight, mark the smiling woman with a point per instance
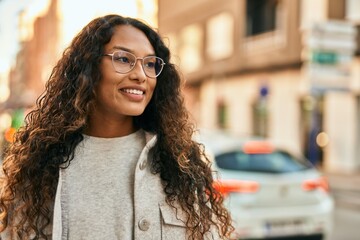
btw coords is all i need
(102, 155)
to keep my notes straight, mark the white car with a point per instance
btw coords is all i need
(269, 192)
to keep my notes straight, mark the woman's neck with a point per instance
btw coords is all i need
(110, 128)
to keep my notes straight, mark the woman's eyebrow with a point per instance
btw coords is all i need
(123, 48)
(129, 50)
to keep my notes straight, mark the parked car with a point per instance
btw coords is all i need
(269, 191)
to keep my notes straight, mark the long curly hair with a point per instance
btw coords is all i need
(54, 128)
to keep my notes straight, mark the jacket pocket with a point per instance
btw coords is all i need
(173, 223)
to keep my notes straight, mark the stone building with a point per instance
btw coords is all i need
(37, 55)
(284, 69)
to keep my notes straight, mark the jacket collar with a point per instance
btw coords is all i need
(150, 139)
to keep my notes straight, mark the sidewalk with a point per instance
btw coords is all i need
(345, 188)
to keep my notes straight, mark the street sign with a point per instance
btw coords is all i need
(328, 50)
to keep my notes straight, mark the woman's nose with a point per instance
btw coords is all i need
(138, 71)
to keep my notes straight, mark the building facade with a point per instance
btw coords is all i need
(267, 68)
(38, 52)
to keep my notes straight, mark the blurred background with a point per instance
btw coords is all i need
(288, 70)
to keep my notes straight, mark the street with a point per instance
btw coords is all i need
(346, 192)
(346, 223)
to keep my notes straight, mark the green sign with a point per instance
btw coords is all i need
(324, 57)
(17, 118)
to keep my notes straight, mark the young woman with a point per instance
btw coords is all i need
(108, 151)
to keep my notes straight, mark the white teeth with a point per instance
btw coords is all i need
(133, 91)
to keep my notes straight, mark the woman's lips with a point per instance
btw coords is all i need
(133, 94)
(132, 91)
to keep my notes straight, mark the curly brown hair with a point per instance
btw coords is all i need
(52, 131)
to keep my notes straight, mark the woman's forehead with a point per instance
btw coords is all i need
(130, 38)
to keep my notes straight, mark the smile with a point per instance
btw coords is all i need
(133, 91)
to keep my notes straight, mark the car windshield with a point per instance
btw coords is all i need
(275, 162)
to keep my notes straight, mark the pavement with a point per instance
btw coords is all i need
(345, 188)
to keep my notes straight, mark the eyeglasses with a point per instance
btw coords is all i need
(124, 62)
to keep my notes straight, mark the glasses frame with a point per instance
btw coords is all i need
(132, 65)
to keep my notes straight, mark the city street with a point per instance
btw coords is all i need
(346, 192)
(271, 89)
(346, 224)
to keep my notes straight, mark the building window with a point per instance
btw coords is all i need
(311, 127)
(260, 117)
(260, 113)
(220, 36)
(190, 47)
(222, 114)
(261, 16)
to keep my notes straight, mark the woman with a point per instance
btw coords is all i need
(108, 151)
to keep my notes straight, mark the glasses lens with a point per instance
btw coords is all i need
(123, 62)
(153, 66)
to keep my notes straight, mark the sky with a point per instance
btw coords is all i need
(76, 15)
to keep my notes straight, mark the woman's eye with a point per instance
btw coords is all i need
(150, 64)
(122, 59)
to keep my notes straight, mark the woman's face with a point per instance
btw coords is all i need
(124, 95)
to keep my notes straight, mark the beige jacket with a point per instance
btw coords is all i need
(154, 218)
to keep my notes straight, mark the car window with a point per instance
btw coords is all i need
(275, 162)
